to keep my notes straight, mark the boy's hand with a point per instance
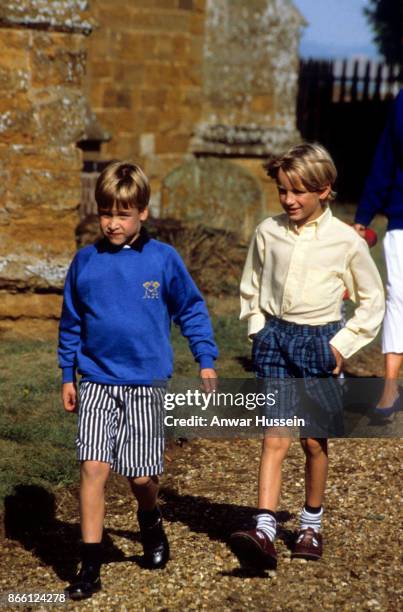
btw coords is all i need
(360, 229)
(209, 379)
(339, 361)
(69, 396)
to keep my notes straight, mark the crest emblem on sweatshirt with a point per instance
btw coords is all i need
(151, 290)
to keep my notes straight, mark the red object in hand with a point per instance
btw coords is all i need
(371, 237)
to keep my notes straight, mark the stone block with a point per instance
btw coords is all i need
(186, 5)
(158, 166)
(175, 143)
(101, 69)
(116, 16)
(155, 4)
(254, 165)
(199, 5)
(132, 73)
(64, 15)
(205, 190)
(25, 271)
(262, 104)
(16, 125)
(57, 59)
(59, 115)
(30, 305)
(147, 144)
(96, 94)
(197, 24)
(165, 21)
(35, 329)
(154, 97)
(13, 49)
(180, 45)
(164, 48)
(13, 81)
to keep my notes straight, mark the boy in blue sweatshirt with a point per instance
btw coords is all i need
(119, 299)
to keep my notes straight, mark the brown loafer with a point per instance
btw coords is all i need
(308, 545)
(254, 549)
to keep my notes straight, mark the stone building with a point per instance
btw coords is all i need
(197, 91)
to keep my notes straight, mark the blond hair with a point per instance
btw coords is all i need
(124, 185)
(309, 163)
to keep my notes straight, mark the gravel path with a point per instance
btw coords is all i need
(208, 490)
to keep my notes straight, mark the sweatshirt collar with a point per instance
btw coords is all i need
(105, 246)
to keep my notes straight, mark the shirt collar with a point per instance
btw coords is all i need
(318, 224)
(137, 245)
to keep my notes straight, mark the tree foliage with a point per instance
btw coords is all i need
(386, 20)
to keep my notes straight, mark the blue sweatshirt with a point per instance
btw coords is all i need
(383, 192)
(117, 312)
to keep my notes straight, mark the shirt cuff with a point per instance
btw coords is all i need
(345, 341)
(69, 375)
(256, 322)
(206, 361)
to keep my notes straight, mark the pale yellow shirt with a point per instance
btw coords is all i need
(301, 275)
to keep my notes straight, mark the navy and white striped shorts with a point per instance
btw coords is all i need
(296, 362)
(122, 425)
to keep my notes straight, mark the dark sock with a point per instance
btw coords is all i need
(313, 509)
(91, 555)
(148, 517)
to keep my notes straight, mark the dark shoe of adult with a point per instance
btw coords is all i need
(387, 411)
(86, 583)
(154, 541)
(308, 545)
(254, 549)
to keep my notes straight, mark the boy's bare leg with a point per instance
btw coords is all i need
(315, 470)
(93, 477)
(274, 450)
(255, 547)
(145, 489)
(393, 362)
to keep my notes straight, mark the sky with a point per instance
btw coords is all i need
(336, 29)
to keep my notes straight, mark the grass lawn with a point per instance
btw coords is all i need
(37, 436)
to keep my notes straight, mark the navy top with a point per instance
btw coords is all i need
(383, 192)
(117, 311)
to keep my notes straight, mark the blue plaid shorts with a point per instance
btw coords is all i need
(296, 363)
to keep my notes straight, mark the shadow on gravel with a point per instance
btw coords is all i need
(216, 520)
(29, 518)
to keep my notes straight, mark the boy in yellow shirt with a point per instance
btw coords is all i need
(298, 267)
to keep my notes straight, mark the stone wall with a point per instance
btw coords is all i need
(168, 78)
(42, 112)
(145, 79)
(250, 78)
(170, 81)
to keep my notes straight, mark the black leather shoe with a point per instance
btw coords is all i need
(154, 541)
(87, 583)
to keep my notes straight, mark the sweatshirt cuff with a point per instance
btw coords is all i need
(256, 322)
(364, 218)
(206, 361)
(68, 375)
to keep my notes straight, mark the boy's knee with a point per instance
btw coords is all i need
(143, 481)
(276, 445)
(314, 446)
(95, 470)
